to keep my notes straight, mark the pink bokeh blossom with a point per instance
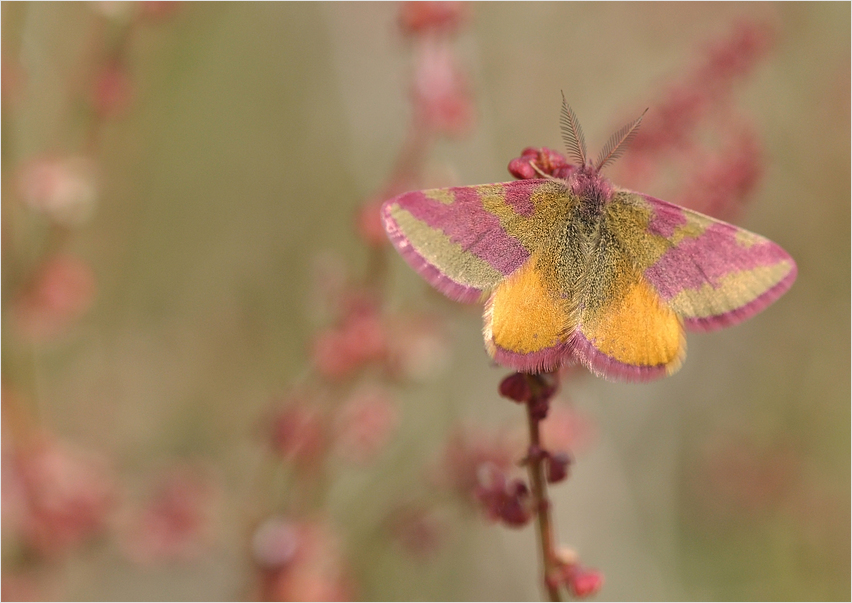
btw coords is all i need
(360, 337)
(176, 522)
(298, 431)
(64, 188)
(441, 91)
(63, 290)
(113, 91)
(55, 497)
(365, 423)
(428, 18)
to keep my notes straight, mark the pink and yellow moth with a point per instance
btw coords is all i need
(580, 270)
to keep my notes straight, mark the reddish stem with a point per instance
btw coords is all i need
(535, 462)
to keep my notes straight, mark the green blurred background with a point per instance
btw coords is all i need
(256, 132)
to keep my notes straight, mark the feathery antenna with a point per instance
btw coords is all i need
(572, 133)
(617, 144)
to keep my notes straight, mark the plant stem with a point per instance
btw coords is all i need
(539, 489)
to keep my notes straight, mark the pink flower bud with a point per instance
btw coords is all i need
(585, 582)
(534, 162)
(521, 169)
(516, 387)
(506, 501)
(516, 505)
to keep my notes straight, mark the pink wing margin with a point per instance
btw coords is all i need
(453, 242)
(765, 270)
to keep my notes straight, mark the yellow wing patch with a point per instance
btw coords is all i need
(637, 329)
(733, 291)
(438, 249)
(524, 315)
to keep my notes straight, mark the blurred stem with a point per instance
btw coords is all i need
(539, 488)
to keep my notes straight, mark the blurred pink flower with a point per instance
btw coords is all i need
(175, 523)
(359, 338)
(370, 226)
(113, 91)
(585, 582)
(20, 588)
(298, 432)
(54, 496)
(669, 141)
(159, 10)
(12, 80)
(441, 97)
(418, 347)
(417, 530)
(722, 181)
(63, 290)
(676, 115)
(506, 500)
(566, 430)
(473, 455)
(299, 561)
(364, 424)
(418, 18)
(65, 189)
(581, 581)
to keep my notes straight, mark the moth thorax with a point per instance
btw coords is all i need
(587, 184)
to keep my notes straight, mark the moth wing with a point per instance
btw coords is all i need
(626, 331)
(659, 268)
(531, 315)
(465, 240)
(711, 273)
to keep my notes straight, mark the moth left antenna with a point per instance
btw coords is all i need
(617, 144)
(572, 133)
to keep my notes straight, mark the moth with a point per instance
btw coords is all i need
(581, 270)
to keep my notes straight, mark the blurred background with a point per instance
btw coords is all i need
(219, 382)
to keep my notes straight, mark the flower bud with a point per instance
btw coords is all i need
(516, 505)
(516, 387)
(521, 169)
(557, 467)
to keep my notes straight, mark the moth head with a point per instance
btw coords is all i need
(575, 141)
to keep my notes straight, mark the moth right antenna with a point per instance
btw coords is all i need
(572, 133)
(618, 142)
